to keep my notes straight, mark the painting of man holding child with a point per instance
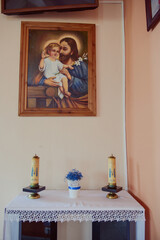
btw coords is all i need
(59, 78)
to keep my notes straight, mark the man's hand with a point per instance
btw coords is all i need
(50, 82)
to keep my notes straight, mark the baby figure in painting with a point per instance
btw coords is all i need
(52, 67)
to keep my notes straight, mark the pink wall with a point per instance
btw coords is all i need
(143, 113)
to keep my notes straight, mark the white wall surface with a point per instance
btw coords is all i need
(63, 143)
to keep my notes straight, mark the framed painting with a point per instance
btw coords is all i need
(57, 69)
(152, 13)
(29, 6)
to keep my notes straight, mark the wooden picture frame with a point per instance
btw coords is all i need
(75, 96)
(152, 13)
(29, 6)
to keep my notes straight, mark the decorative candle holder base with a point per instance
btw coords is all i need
(112, 195)
(112, 191)
(34, 192)
(34, 196)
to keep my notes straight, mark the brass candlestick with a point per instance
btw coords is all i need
(34, 192)
(34, 196)
(112, 191)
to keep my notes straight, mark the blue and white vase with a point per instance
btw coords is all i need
(74, 187)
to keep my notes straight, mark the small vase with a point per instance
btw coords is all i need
(74, 187)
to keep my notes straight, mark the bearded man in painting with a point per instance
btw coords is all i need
(78, 82)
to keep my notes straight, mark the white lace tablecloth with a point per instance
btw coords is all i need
(91, 205)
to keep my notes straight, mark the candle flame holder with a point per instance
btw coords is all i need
(112, 191)
(34, 191)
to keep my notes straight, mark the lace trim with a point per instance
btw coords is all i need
(75, 215)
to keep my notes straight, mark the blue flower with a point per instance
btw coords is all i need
(74, 175)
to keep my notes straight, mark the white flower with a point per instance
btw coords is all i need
(85, 56)
(77, 62)
(80, 59)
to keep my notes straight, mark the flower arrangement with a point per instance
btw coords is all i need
(74, 175)
(81, 59)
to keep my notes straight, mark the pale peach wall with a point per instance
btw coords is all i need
(63, 143)
(143, 112)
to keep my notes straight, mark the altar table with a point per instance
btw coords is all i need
(55, 205)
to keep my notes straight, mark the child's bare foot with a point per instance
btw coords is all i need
(68, 94)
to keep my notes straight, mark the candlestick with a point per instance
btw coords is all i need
(111, 187)
(35, 172)
(112, 171)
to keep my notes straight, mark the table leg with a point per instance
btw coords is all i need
(140, 230)
(96, 231)
(111, 230)
(11, 230)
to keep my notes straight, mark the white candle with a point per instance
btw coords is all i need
(35, 172)
(112, 171)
